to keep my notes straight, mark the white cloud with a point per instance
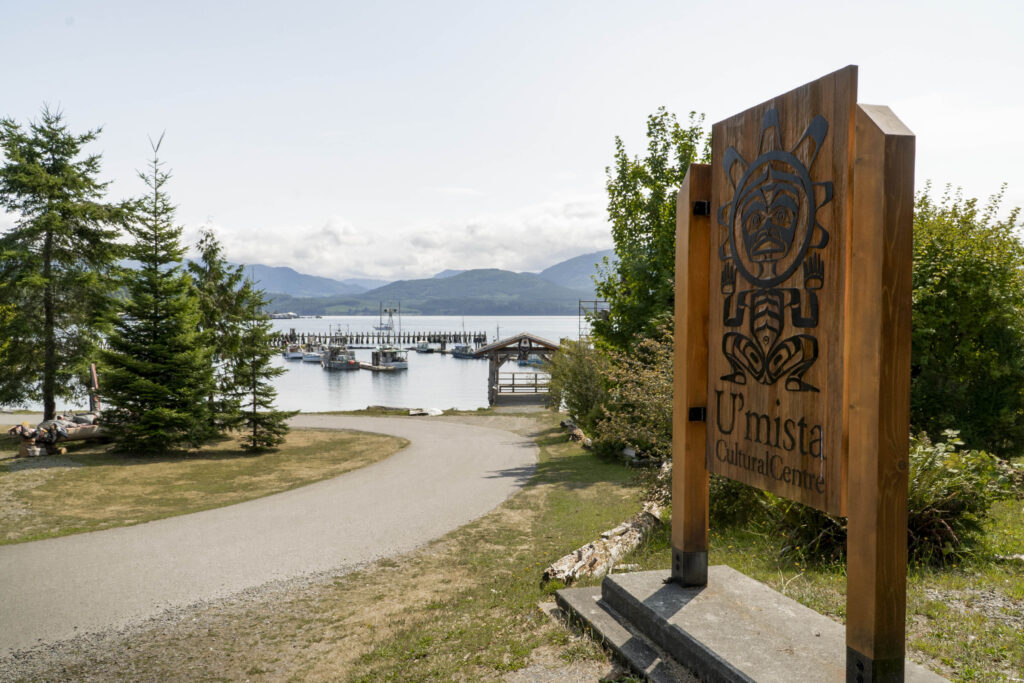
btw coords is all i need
(527, 239)
(456, 191)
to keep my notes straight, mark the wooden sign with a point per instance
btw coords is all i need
(780, 219)
(792, 367)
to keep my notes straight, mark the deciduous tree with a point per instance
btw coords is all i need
(968, 338)
(642, 211)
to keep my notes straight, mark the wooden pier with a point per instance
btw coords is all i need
(374, 338)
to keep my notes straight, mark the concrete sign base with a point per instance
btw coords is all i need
(733, 629)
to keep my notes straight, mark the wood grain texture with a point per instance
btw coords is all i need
(780, 324)
(878, 385)
(689, 474)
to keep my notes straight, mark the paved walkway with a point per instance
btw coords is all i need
(450, 474)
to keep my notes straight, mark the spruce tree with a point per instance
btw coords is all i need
(158, 371)
(262, 426)
(222, 314)
(57, 263)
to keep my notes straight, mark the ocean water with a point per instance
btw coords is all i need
(432, 380)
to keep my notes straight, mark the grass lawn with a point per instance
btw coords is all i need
(93, 487)
(966, 622)
(463, 608)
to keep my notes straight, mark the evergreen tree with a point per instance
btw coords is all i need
(158, 371)
(57, 263)
(262, 426)
(223, 313)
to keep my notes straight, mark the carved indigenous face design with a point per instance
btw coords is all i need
(769, 210)
(771, 220)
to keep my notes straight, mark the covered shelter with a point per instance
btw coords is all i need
(517, 387)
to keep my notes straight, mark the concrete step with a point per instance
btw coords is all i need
(586, 610)
(735, 629)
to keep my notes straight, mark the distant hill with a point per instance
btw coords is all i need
(577, 273)
(448, 273)
(556, 290)
(364, 282)
(474, 292)
(284, 280)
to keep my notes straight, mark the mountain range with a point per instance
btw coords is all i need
(556, 290)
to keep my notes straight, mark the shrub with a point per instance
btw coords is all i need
(578, 381)
(638, 407)
(968, 323)
(733, 503)
(950, 494)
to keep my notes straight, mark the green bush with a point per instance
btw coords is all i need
(733, 503)
(968, 323)
(950, 494)
(578, 380)
(638, 407)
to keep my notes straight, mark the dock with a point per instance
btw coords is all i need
(367, 340)
(363, 365)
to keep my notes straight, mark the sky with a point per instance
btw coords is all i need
(396, 139)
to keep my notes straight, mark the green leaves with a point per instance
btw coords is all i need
(641, 209)
(968, 313)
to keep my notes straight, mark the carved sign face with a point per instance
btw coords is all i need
(771, 219)
(781, 177)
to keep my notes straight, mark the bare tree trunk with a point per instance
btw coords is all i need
(49, 334)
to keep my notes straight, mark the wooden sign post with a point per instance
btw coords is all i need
(792, 360)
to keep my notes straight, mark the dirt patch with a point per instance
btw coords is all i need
(988, 603)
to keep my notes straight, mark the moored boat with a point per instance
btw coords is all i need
(462, 351)
(293, 351)
(424, 347)
(339, 357)
(313, 354)
(390, 357)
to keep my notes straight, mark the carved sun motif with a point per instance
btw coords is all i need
(771, 220)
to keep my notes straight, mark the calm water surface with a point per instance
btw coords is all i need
(432, 381)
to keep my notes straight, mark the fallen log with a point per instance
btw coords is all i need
(599, 557)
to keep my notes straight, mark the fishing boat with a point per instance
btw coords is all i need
(313, 354)
(293, 351)
(339, 357)
(462, 351)
(390, 357)
(424, 347)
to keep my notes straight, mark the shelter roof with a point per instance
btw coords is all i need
(514, 342)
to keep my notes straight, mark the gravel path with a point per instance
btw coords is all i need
(450, 474)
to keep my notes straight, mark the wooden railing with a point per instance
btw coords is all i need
(523, 382)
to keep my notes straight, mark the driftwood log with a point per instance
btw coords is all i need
(600, 556)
